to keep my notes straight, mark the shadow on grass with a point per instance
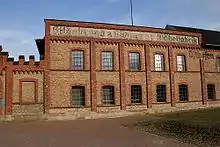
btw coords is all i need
(200, 127)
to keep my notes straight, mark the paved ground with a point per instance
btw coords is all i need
(80, 133)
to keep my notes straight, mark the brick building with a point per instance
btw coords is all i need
(89, 68)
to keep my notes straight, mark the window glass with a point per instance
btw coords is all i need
(135, 94)
(107, 60)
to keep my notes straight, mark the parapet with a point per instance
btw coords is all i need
(21, 64)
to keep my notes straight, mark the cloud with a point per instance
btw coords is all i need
(18, 42)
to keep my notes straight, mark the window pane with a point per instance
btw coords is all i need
(136, 94)
(183, 92)
(218, 64)
(107, 60)
(161, 93)
(77, 60)
(211, 91)
(78, 96)
(108, 95)
(181, 63)
(159, 62)
(134, 59)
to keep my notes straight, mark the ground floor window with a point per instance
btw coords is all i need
(78, 96)
(108, 97)
(211, 91)
(135, 94)
(161, 93)
(183, 92)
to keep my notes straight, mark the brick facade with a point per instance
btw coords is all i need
(45, 87)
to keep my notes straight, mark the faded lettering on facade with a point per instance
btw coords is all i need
(120, 34)
(200, 55)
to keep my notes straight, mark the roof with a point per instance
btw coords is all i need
(40, 45)
(209, 37)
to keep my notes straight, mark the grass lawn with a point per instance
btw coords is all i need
(200, 127)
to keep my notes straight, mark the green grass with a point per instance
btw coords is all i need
(201, 127)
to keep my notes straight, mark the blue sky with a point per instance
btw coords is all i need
(22, 21)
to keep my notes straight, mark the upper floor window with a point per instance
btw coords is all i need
(218, 64)
(108, 95)
(211, 91)
(181, 63)
(134, 59)
(135, 94)
(183, 92)
(78, 60)
(161, 93)
(107, 60)
(159, 62)
(78, 96)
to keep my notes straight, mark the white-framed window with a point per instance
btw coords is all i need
(107, 60)
(78, 60)
(159, 62)
(134, 59)
(181, 63)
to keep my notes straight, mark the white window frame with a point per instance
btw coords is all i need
(159, 62)
(181, 63)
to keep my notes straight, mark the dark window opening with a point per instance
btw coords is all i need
(161, 93)
(108, 97)
(211, 91)
(78, 96)
(136, 94)
(183, 92)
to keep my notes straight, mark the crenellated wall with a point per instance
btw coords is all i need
(22, 86)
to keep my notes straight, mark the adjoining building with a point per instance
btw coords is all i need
(88, 68)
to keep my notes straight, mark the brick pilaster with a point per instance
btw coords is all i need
(122, 76)
(203, 83)
(148, 76)
(93, 81)
(47, 72)
(171, 75)
(8, 89)
(1, 98)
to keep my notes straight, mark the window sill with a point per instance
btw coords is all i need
(211, 100)
(78, 70)
(135, 71)
(136, 104)
(23, 103)
(161, 103)
(182, 71)
(159, 71)
(184, 101)
(69, 107)
(108, 105)
(107, 70)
